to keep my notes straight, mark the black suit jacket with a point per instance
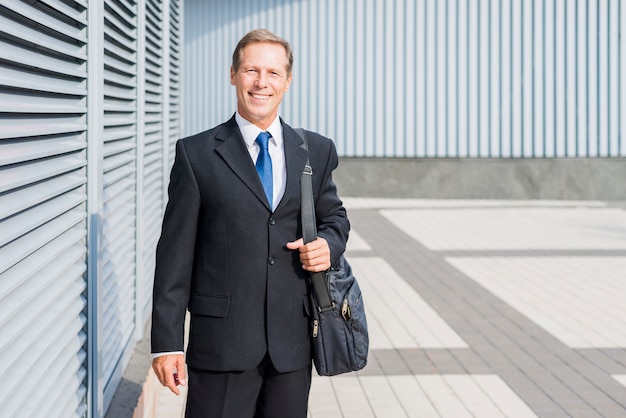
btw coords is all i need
(222, 253)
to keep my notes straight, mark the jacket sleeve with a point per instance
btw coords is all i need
(174, 256)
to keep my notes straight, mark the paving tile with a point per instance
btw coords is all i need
(323, 400)
(579, 408)
(413, 399)
(354, 203)
(471, 362)
(442, 396)
(415, 396)
(373, 367)
(476, 400)
(502, 396)
(351, 397)
(169, 405)
(620, 378)
(381, 397)
(512, 228)
(444, 361)
(606, 360)
(391, 362)
(618, 355)
(418, 361)
(397, 314)
(558, 295)
(551, 411)
(549, 353)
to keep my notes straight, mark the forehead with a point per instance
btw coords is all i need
(265, 52)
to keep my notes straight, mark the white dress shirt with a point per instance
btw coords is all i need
(276, 148)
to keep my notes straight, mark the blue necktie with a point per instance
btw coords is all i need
(264, 166)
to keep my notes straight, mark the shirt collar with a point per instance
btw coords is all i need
(250, 131)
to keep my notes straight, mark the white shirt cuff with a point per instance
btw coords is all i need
(155, 355)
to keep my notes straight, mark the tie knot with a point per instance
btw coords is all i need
(263, 139)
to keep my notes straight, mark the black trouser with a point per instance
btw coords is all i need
(262, 392)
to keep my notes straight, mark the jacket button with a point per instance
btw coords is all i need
(271, 260)
(272, 221)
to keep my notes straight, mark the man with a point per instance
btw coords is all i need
(231, 250)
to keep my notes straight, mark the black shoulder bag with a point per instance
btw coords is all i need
(338, 323)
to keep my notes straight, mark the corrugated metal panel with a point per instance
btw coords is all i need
(175, 84)
(429, 78)
(152, 183)
(118, 250)
(68, 290)
(42, 208)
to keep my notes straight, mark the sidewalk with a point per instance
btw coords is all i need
(483, 309)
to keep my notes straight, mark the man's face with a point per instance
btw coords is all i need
(261, 81)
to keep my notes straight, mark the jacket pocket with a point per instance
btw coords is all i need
(209, 305)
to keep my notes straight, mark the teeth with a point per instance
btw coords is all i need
(259, 96)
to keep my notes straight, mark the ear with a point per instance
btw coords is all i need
(232, 76)
(289, 81)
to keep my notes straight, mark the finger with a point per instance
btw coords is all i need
(315, 256)
(294, 245)
(320, 244)
(311, 259)
(314, 251)
(170, 382)
(320, 263)
(317, 268)
(182, 373)
(167, 379)
(321, 268)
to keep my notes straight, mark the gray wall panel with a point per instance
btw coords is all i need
(43, 334)
(429, 78)
(89, 109)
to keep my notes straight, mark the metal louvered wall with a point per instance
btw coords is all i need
(430, 78)
(43, 214)
(152, 149)
(84, 145)
(175, 80)
(119, 222)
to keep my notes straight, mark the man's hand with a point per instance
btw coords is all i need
(314, 256)
(170, 370)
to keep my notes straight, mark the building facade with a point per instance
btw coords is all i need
(430, 78)
(512, 99)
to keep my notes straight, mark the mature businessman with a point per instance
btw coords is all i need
(231, 251)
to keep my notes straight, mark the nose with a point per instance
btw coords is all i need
(261, 80)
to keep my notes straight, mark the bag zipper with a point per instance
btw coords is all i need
(345, 310)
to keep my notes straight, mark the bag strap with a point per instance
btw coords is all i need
(309, 228)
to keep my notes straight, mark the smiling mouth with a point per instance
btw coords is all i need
(260, 96)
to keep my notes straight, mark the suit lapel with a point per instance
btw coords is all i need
(233, 150)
